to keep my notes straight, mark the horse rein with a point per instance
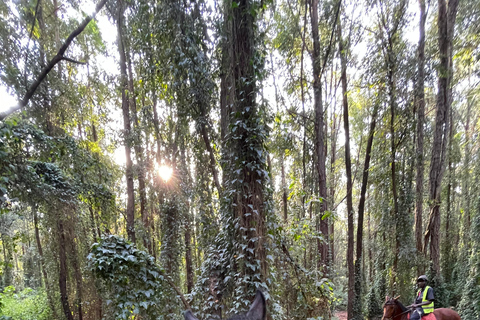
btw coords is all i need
(391, 318)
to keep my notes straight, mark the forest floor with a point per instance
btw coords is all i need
(340, 315)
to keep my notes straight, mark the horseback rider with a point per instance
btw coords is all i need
(423, 303)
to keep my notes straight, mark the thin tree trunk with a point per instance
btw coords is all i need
(420, 106)
(333, 184)
(227, 82)
(188, 255)
(284, 189)
(304, 128)
(138, 149)
(127, 127)
(213, 162)
(447, 245)
(92, 223)
(391, 88)
(348, 166)
(322, 224)
(466, 178)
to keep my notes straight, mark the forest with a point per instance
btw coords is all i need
(164, 155)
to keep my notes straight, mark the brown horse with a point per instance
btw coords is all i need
(394, 310)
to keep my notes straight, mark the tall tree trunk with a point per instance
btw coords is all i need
(351, 310)
(467, 177)
(73, 255)
(333, 184)
(247, 146)
(284, 189)
(62, 274)
(304, 115)
(446, 22)
(227, 82)
(139, 153)
(188, 254)
(126, 125)
(420, 106)
(47, 112)
(447, 244)
(322, 224)
(392, 97)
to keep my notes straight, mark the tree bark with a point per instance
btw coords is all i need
(446, 22)
(467, 177)
(247, 146)
(348, 168)
(62, 274)
(137, 144)
(73, 255)
(188, 254)
(284, 189)
(213, 162)
(391, 88)
(130, 213)
(420, 106)
(322, 223)
(227, 82)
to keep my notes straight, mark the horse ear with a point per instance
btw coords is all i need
(258, 309)
(387, 298)
(189, 315)
(395, 299)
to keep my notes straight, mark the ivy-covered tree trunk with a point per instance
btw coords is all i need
(247, 173)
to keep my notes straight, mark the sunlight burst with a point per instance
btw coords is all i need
(165, 172)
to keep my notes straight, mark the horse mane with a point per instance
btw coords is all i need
(401, 306)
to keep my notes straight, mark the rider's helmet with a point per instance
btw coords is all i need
(422, 278)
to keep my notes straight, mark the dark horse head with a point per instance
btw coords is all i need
(258, 310)
(392, 308)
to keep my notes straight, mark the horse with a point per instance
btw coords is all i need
(258, 310)
(394, 310)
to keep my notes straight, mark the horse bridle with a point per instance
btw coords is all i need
(391, 318)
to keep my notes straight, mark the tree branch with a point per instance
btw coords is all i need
(331, 37)
(72, 60)
(59, 57)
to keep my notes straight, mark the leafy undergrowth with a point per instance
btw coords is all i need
(28, 304)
